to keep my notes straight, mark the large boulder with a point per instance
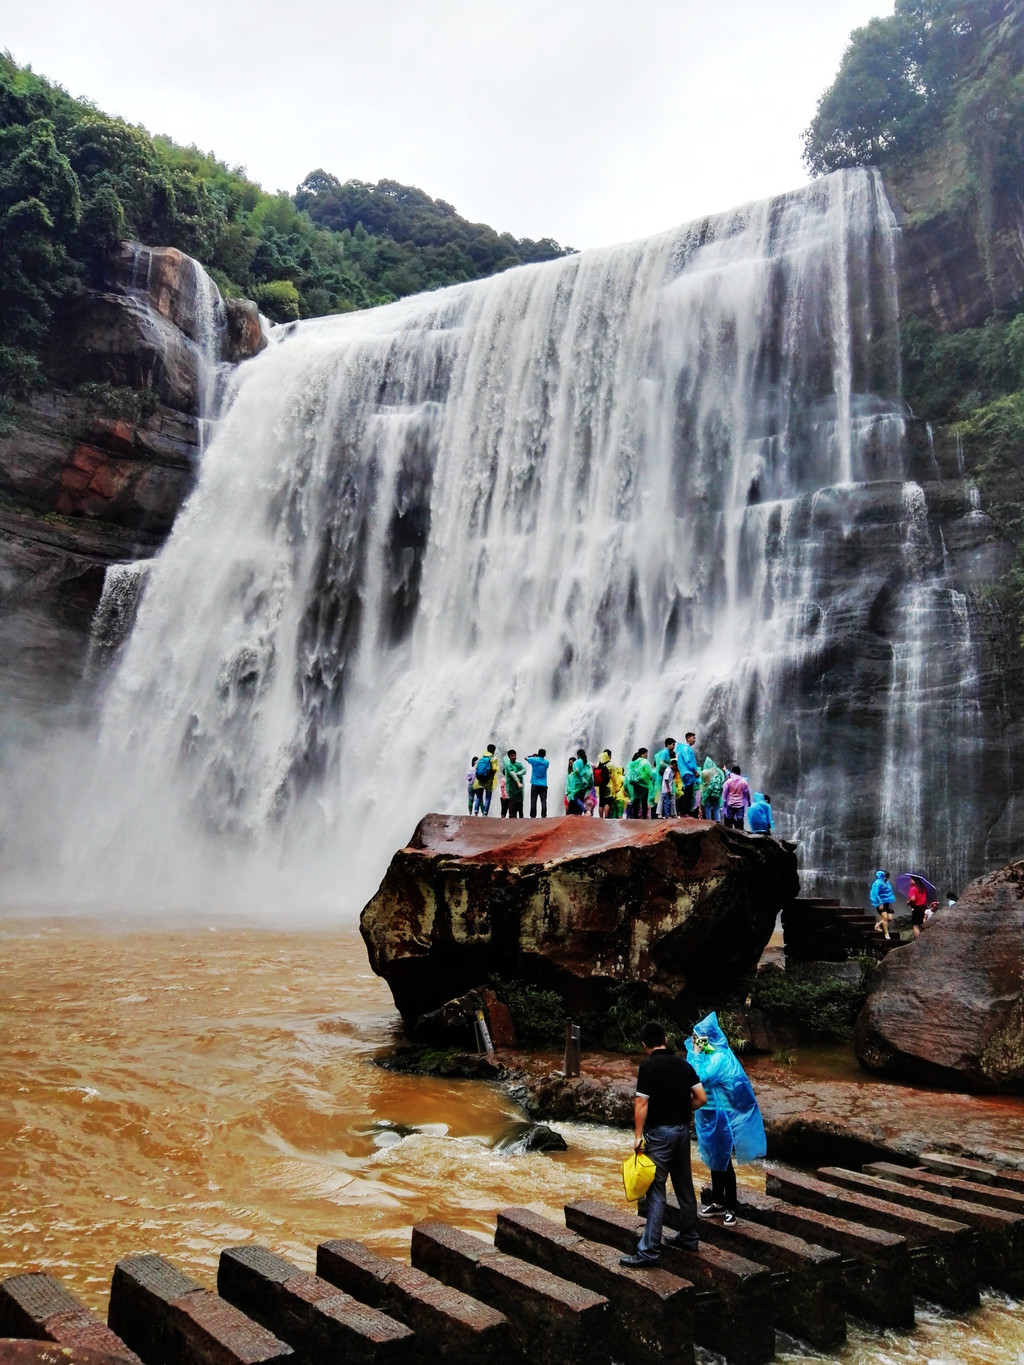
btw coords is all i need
(948, 1008)
(576, 905)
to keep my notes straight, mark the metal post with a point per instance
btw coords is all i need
(571, 1065)
(483, 1035)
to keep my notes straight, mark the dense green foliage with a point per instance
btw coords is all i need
(934, 72)
(538, 1015)
(826, 1009)
(73, 181)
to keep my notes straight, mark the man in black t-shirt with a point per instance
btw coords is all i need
(667, 1092)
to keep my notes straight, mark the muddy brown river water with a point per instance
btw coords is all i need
(185, 1090)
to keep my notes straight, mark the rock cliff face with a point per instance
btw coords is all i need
(97, 466)
(948, 1009)
(575, 905)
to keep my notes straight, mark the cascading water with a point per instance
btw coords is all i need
(626, 493)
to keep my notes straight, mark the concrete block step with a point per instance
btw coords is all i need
(320, 1322)
(999, 1233)
(877, 1275)
(736, 1318)
(551, 1319)
(807, 1280)
(981, 1172)
(948, 1275)
(38, 1307)
(169, 1319)
(652, 1315)
(455, 1328)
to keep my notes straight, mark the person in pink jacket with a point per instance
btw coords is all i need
(735, 799)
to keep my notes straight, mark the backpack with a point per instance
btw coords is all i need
(484, 768)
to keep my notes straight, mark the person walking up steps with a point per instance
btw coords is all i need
(730, 1123)
(538, 783)
(668, 1090)
(882, 898)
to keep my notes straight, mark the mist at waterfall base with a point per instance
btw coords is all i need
(589, 502)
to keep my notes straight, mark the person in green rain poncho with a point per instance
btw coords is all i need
(712, 780)
(730, 1123)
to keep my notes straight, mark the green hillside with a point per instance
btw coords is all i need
(74, 180)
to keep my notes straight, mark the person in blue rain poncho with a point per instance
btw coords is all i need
(730, 1123)
(882, 898)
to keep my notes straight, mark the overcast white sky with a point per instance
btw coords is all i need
(591, 121)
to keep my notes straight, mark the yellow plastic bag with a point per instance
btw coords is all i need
(638, 1173)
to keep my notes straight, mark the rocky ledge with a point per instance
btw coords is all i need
(948, 1009)
(684, 907)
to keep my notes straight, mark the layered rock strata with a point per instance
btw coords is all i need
(948, 1009)
(683, 906)
(94, 468)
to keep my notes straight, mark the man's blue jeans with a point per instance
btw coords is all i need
(669, 1149)
(482, 801)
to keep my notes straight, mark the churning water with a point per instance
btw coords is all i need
(591, 501)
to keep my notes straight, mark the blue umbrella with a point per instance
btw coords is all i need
(903, 884)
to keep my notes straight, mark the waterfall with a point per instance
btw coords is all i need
(631, 492)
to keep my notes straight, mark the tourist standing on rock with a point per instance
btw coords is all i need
(471, 779)
(514, 774)
(759, 816)
(686, 757)
(712, 780)
(730, 1123)
(617, 790)
(538, 783)
(639, 776)
(882, 898)
(668, 1090)
(483, 782)
(668, 790)
(735, 799)
(578, 783)
(601, 781)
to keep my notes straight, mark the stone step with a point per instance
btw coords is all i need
(320, 1322)
(38, 1307)
(946, 1273)
(551, 1320)
(652, 1317)
(992, 1196)
(877, 1276)
(807, 1280)
(979, 1171)
(457, 1329)
(734, 1315)
(999, 1234)
(169, 1319)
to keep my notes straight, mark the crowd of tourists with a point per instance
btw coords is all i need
(672, 783)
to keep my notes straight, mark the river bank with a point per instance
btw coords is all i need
(819, 1109)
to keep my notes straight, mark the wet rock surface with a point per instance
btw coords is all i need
(574, 905)
(96, 467)
(816, 1113)
(948, 1009)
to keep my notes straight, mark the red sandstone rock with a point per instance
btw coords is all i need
(574, 904)
(948, 1009)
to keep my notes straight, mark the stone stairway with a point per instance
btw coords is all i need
(821, 929)
(813, 1248)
